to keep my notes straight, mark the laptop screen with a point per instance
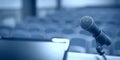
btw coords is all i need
(31, 50)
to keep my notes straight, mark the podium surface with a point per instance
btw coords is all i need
(85, 56)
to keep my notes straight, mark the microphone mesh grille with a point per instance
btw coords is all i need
(86, 22)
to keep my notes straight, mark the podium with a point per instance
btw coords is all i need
(85, 56)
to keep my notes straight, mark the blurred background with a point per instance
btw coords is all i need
(46, 19)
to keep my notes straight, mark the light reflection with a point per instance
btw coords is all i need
(62, 40)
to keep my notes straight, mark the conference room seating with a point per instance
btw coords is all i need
(66, 24)
(78, 45)
(116, 48)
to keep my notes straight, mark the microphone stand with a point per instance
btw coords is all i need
(100, 50)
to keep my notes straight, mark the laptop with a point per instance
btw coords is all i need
(31, 50)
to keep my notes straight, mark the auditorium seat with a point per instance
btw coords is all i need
(55, 35)
(4, 32)
(107, 29)
(118, 33)
(20, 26)
(117, 48)
(77, 49)
(68, 31)
(55, 21)
(34, 28)
(93, 48)
(50, 30)
(43, 21)
(20, 34)
(69, 21)
(85, 32)
(77, 45)
(37, 36)
(31, 20)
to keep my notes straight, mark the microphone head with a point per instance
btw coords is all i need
(86, 22)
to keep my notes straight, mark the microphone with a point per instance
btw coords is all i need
(88, 24)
